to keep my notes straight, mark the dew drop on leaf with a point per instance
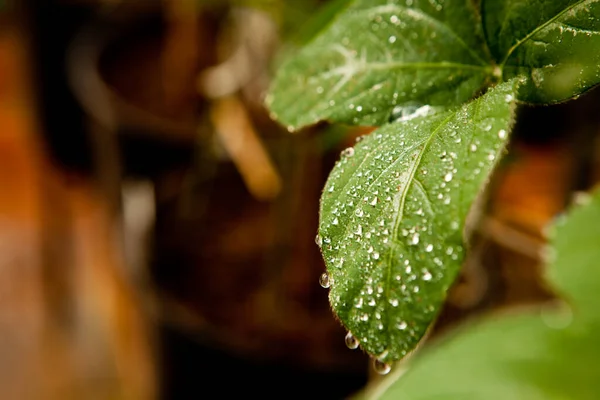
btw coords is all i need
(319, 240)
(349, 152)
(415, 239)
(381, 367)
(351, 342)
(324, 280)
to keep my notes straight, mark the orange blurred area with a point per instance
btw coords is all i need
(158, 228)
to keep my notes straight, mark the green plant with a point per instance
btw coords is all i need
(441, 79)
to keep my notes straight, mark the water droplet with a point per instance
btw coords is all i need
(359, 108)
(473, 147)
(429, 248)
(351, 342)
(394, 302)
(491, 156)
(359, 303)
(427, 276)
(448, 177)
(358, 230)
(375, 255)
(349, 152)
(415, 239)
(291, 129)
(502, 134)
(402, 325)
(381, 367)
(320, 89)
(319, 240)
(374, 201)
(508, 98)
(364, 317)
(335, 221)
(392, 39)
(324, 280)
(394, 19)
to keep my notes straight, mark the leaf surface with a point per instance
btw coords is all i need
(392, 214)
(382, 59)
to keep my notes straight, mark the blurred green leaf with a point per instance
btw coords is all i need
(380, 58)
(392, 214)
(553, 43)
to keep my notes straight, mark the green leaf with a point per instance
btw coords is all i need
(383, 58)
(552, 353)
(553, 43)
(392, 213)
(575, 254)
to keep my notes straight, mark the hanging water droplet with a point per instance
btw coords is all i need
(351, 342)
(364, 317)
(319, 240)
(381, 367)
(359, 108)
(324, 280)
(502, 134)
(335, 221)
(349, 152)
(429, 248)
(359, 212)
(448, 177)
(473, 147)
(374, 201)
(392, 39)
(358, 230)
(394, 302)
(508, 98)
(402, 325)
(427, 276)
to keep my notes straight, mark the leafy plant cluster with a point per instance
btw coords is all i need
(441, 80)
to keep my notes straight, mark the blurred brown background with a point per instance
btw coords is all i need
(157, 228)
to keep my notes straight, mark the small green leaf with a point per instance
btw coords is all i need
(392, 214)
(381, 58)
(553, 43)
(574, 256)
(549, 354)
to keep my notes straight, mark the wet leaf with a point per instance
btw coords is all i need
(381, 59)
(392, 214)
(553, 43)
(547, 354)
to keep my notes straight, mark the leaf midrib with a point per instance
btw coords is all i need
(400, 215)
